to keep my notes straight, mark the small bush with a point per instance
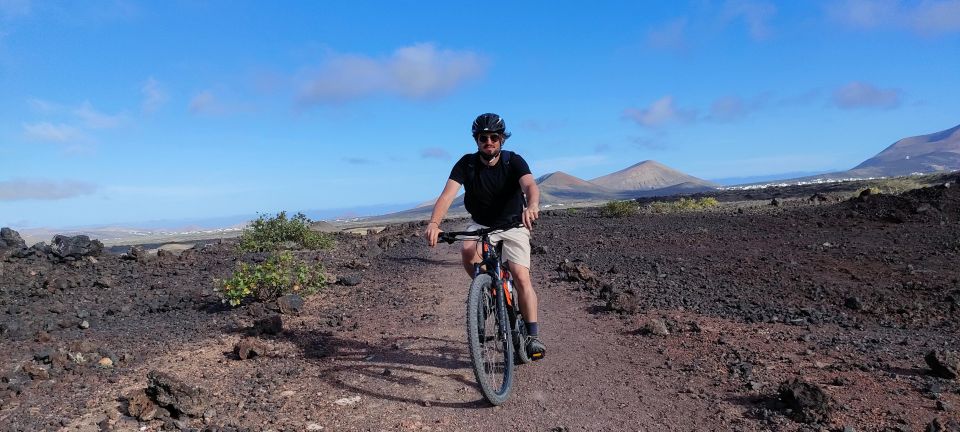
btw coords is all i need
(267, 234)
(281, 274)
(683, 204)
(619, 209)
(894, 186)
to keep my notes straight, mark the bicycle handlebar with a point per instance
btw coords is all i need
(451, 236)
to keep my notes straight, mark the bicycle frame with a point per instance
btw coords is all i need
(490, 259)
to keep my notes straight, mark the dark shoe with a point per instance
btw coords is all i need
(535, 349)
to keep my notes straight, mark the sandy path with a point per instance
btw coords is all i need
(416, 375)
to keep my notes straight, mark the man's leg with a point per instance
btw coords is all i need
(528, 307)
(525, 292)
(470, 256)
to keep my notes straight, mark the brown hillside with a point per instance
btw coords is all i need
(920, 154)
(647, 175)
(559, 186)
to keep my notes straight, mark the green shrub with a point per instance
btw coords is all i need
(281, 274)
(619, 208)
(267, 234)
(894, 186)
(708, 202)
(683, 204)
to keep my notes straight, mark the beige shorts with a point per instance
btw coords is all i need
(516, 243)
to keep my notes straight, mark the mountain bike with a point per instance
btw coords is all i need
(496, 331)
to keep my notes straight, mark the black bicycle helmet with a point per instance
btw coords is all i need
(490, 122)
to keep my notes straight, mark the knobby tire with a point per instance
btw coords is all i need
(490, 341)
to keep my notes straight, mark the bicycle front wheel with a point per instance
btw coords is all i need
(488, 336)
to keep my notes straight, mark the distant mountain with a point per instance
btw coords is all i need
(560, 186)
(920, 154)
(647, 175)
(936, 152)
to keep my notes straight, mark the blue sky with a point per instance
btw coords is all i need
(126, 111)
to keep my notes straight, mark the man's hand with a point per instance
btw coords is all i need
(530, 214)
(432, 232)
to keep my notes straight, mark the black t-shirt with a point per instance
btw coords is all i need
(493, 195)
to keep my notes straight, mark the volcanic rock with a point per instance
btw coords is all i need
(249, 348)
(76, 246)
(290, 304)
(271, 325)
(808, 403)
(40, 248)
(10, 239)
(654, 326)
(36, 372)
(135, 253)
(175, 395)
(853, 303)
(624, 301)
(944, 363)
(937, 426)
(140, 406)
(350, 280)
(576, 271)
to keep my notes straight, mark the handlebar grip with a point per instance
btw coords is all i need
(447, 238)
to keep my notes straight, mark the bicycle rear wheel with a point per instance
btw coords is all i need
(489, 339)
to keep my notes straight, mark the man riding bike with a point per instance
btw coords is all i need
(496, 182)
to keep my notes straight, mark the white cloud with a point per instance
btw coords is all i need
(46, 131)
(205, 102)
(14, 8)
(435, 153)
(19, 189)
(754, 13)
(357, 161)
(669, 36)
(862, 13)
(202, 102)
(42, 106)
(731, 108)
(933, 17)
(864, 95)
(419, 71)
(94, 119)
(209, 103)
(661, 112)
(928, 17)
(153, 95)
(728, 108)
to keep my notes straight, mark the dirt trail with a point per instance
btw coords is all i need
(587, 381)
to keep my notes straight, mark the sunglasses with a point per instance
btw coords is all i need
(492, 138)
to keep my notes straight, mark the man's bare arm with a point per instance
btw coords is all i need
(440, 210)
(532, 191)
